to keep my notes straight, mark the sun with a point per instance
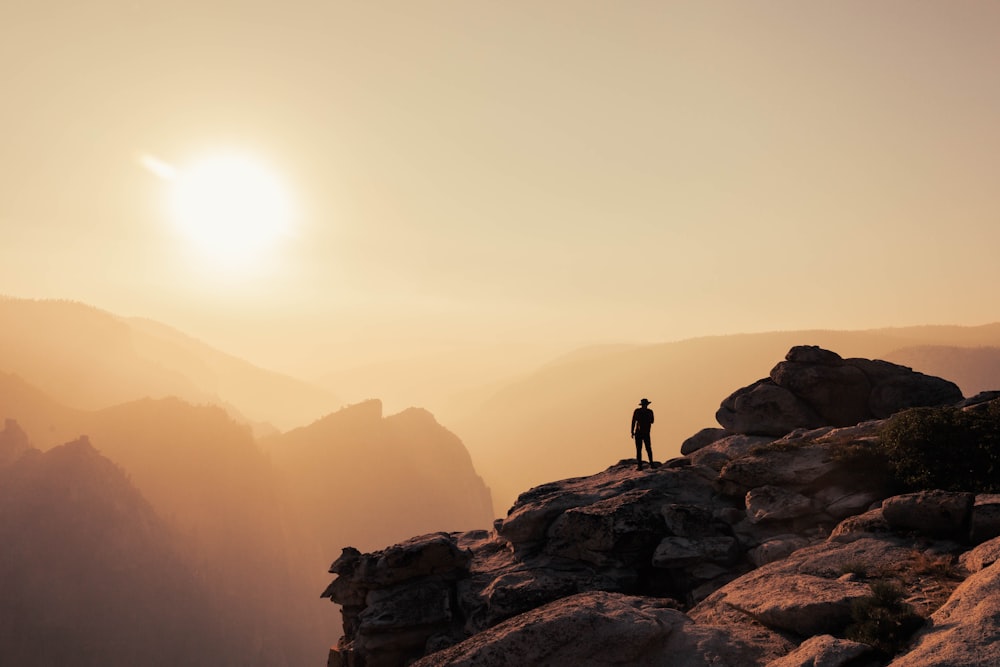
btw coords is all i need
(231, 208)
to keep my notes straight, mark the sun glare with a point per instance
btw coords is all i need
(230, 208)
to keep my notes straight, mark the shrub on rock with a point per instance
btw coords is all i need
(945, 448)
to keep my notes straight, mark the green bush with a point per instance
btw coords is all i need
(882, 620)
(944, 448)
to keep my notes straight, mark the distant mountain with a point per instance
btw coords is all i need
(361, 477)
(90, 359)
(49, 422)
(445, 380)
(259, 526)
(90, 574)
(203, 473)
(572, 416)
(14, 443)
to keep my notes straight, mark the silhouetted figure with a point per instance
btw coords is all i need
(642, 422)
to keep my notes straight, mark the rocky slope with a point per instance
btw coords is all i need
(770, 542)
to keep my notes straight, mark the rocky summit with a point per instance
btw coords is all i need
(780, 540)
(814, 387)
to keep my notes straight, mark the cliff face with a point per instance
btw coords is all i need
(776, 550)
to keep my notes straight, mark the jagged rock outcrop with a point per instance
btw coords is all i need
(752, 550)
(816, 387)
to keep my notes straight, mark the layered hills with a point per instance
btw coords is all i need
(239, 515)
(251, 479)
(88, 358)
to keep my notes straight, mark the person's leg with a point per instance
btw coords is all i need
(638, 450)
(649, 447)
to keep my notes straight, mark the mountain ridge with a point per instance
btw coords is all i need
(89, 358)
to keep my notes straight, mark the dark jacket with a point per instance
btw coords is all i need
(642, 420)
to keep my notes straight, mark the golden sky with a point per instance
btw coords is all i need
(525, 172)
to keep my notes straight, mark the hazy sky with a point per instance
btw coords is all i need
(510, 171)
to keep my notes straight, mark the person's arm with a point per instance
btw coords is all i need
(632, 428)
(650, 417)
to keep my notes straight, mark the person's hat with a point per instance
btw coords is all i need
(645, 401)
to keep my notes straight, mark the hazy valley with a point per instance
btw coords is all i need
(233, 488)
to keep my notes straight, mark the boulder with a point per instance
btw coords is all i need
(803, 604)
(936, 513)
(394, 600)
(398, 621)
(705, 436)
(528, 522)
(815, 387)
(752, 535)
(616, 531)
(673, 552)
(774, 503)
(813, 355)
(807, 593)
(964, 630)
(764, 408)
(792, 466)
(869, 524)
(982, 556)
(824, 651)
(837, 393)
(602, 630)
(911, 390)
(776, 548)
(985, 518)
(841, 502)
(980, 400)
(688, 520)
(510, 592)
(722, 451)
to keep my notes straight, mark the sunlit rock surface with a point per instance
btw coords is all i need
(965, 630)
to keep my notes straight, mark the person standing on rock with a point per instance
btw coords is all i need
(642, 422)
